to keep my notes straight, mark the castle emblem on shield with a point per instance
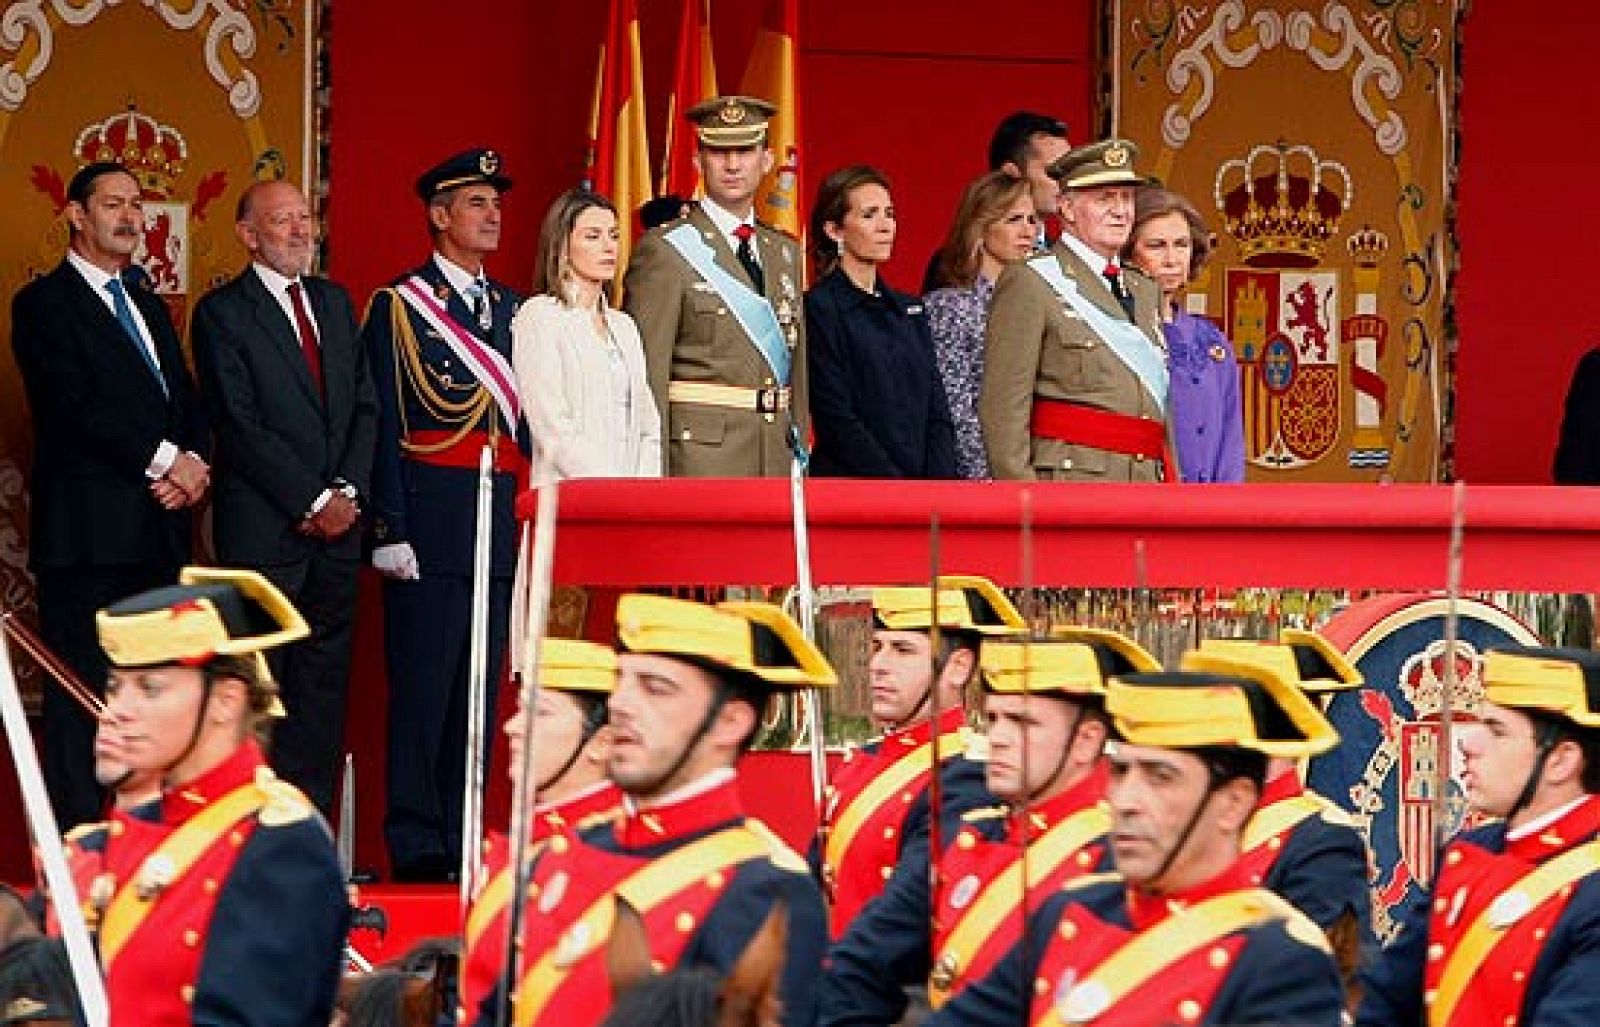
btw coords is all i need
(1282, 206)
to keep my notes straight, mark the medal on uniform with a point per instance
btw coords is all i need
(155, 875)
(1508, 908)
(965, 889)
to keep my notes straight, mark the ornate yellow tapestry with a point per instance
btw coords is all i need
(197, 97)
(1317, 139)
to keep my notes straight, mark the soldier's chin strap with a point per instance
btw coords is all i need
(1213, 782)
(718, 700)
(1547, 734)
(1061, 763)
(208, 681)
(922, 704)
(591, 727)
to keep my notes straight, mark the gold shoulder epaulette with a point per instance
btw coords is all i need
(84, 830)
(982, 813)
(783, 857)
(1332, 812)
(284, 803)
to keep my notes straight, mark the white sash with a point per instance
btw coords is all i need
(492, 370)
(749, 307)
(1131, 345)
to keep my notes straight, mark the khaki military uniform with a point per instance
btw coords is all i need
(690, 336)
(1037, 346)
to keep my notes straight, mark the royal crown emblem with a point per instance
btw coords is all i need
(732, 113)
(1116, 156)
(156, 154)
(488, 162)
(1282, 204)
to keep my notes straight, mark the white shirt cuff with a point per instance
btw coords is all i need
(318, 503)
(161, 463)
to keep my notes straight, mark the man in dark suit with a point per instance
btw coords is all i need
(285, 380)
(439, 340)
(118, 435)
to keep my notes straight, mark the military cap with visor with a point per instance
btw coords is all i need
(731, 122)
(471, 167)
(1108, 162)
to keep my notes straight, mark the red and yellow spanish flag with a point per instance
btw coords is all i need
(770, 75)
(619, 150)
(694, 80)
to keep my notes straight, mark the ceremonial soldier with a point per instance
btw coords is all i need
(716, 295)
(439, 342)
(877, 807)
(1509, 933)
(1075, 372)
(234, 909)
(1178, 934)
(1044, 705)
(692, 684)
(570, 747)
(1300, 845)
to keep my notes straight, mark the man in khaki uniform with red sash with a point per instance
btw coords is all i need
(1510, 931)
(1178, 935)
(230, 906)
(716, 295)
(693, 681)
(1044, 704)
(877, 810)
(1075, 369)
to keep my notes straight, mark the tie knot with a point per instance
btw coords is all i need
(1111, 270)
(294, 289)
(114, 286)
(744, 232)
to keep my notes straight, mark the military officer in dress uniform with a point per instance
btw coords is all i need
(1178, 934)
(1300, 845)
(571, 745)
(876, 809)
(231, 907)
(439, 342)
(692, 683)
(716, 295)
(1509, 933)
(1044, 705)
(1075, 367)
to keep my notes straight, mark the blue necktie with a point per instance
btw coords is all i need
(478, 293)
(119, 303)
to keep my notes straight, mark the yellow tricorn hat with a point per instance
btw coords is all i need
(1303, 657)
(1563, 682)
(211, 612)
(966, 603)
(1215, 701)
(1117, 653)
(731, 122)
(573, 665)
(755, 639)
(1016, 667)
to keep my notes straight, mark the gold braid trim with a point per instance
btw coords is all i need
(410, 371)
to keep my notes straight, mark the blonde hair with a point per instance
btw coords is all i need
(553, 273)
(984, 202)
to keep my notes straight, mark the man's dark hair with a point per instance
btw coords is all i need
(1013, 137)
(1224, 763)
(82, 185)
(1559, 729)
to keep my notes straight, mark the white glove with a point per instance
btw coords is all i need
(398, 561)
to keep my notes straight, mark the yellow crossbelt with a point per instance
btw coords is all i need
(1180, 935)
(896, 777)
(646, 888)
(182, 848)
(1273, 820)
(1005, 892)
(1481, 938)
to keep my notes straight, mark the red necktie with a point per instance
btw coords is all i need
(1113, 276)
(308, 334)
(747, 257)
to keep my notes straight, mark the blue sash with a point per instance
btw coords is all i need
(749, 308)
(1131, 345)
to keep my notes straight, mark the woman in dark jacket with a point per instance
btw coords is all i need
(877, 405)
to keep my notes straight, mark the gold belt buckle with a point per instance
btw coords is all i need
(767, 400)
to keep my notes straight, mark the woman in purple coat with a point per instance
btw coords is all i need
(1170, 243)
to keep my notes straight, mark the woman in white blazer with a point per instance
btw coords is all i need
(579, 361)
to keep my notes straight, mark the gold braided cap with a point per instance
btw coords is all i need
(966, 602)
(1011, 667)
(1550, 680)
(758, 639)
(731, 122)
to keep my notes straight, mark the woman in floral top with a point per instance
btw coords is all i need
(995, 225)
(1170, 243)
